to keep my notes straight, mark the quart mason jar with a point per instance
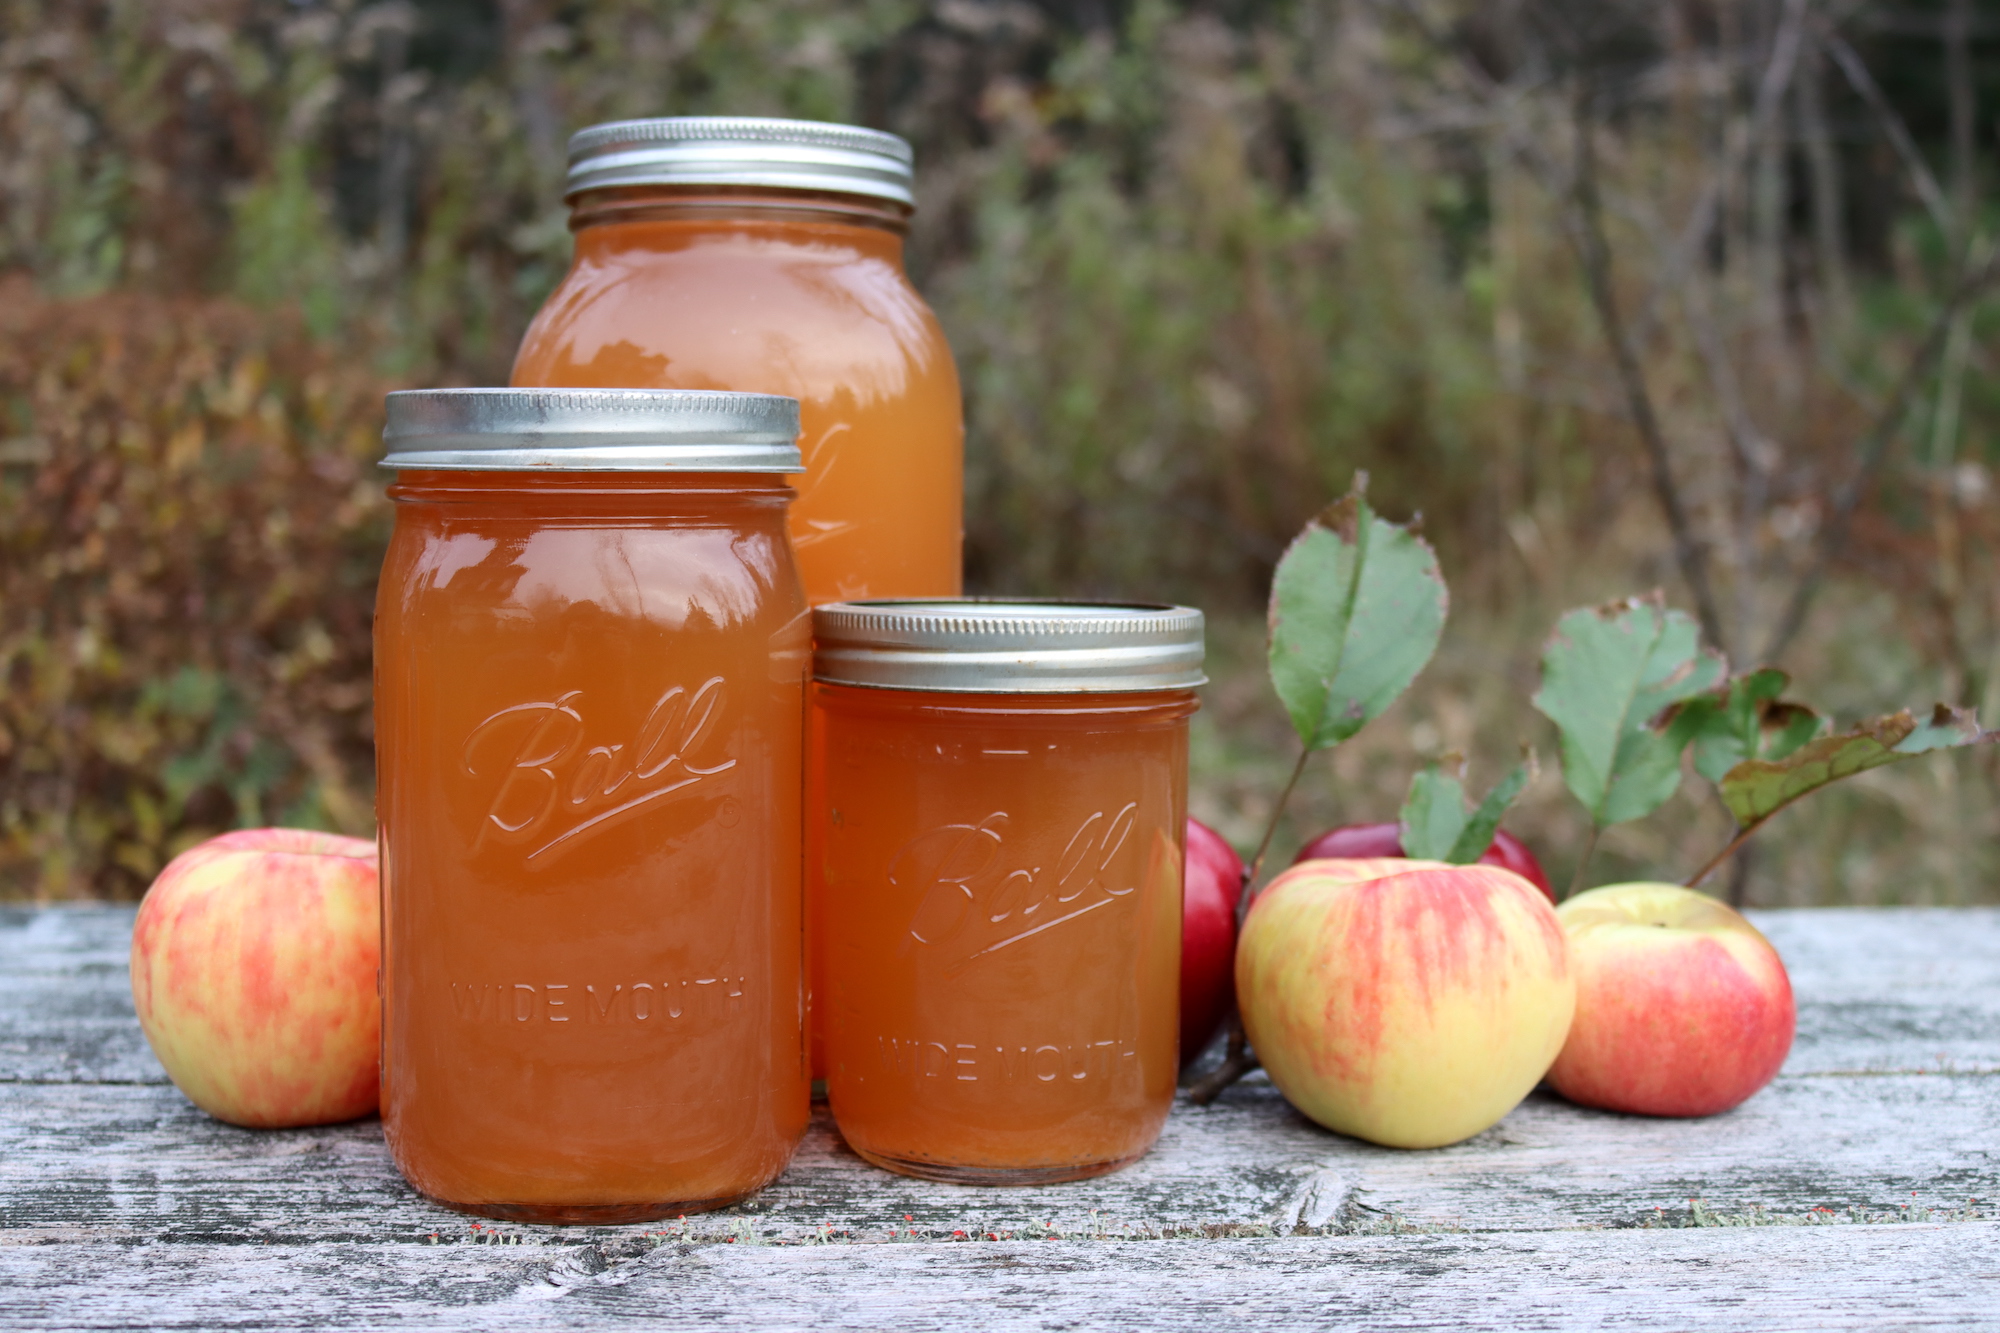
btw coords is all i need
(767, 255)
(996, 806)
(590, 657)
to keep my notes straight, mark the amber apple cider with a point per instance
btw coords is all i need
(999, 885)
(589, 691)
(787, 292)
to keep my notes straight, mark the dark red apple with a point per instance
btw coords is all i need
(1358, 841)
(1211, 887)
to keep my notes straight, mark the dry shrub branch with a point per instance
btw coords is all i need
(189, 534)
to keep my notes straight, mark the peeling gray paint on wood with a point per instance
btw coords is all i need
(1862, 1278)
(139, 1164)
(66, 998)
(1905, 988)
(121, 1204)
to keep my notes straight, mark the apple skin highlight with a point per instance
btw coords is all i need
(254, 962)
(1683, 1007)
(1409, 1003)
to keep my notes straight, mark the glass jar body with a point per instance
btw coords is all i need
(589, 691)
(995, 882)
(785, 292)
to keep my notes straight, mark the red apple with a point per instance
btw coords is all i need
(1367, 840)
(253, 969)
(1211, 886)
(1410, 1003)
(1682, 1007)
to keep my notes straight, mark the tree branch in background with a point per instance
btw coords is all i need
(1892, 125)
(1836, 301)
(1757, 455)
(1736, 152)
(1962, 97)
(1594, 251)
(1875, 445)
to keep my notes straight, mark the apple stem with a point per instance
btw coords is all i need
(1238, 1062)
(1583, 861)
(1742, 836)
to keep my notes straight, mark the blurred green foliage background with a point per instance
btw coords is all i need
(1200, 262)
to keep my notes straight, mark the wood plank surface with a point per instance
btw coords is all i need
(140, 1164)
(66, 998)
(121, 1205)
(1863, 1278)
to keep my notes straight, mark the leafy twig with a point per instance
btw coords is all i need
(1757, 788)
(1357, 605)
(1743, 835)
(1256, 866)
(1608, 675)
(1436, 826)
(1576, 879)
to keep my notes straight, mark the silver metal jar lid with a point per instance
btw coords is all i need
(592, 430)
(977, 646)
(741, 150)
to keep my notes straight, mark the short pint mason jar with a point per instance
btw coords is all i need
(996, 808)
(590, 660)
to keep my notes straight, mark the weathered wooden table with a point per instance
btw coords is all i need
(1859, 1191)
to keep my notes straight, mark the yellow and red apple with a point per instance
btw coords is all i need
(253, 969)
(1683, 1008)
(1410, 1003)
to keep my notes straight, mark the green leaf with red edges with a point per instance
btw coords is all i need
(1608, 674)
(1357, 605)
(1756, 789)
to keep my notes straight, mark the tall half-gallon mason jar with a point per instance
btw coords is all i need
(996, 805)
(590, 658)
(767, 255)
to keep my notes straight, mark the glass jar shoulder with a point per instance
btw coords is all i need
(661, 305)
(678, 561)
